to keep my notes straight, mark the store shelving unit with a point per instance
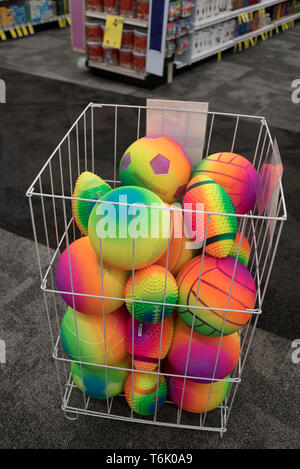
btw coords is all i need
(36, 23)
(190, 58)
(129, 21)
(229, 15)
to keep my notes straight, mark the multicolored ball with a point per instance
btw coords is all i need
(181, 249)
(130, 235)
(215, 286)
(143, 390)
(235, 174)
(147, 337)
(244, 252)
(88, 186)
(221, 230)
(197, 397)
(203, 353)
(95, 382)
(84, 337)
(86, 279)
(153, 283)
(158, 163)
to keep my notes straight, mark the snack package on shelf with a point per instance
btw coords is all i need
(94, 51)
(94, 5)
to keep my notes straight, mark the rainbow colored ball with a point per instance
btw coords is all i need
(235, 174)
(204, 194)
(215, 286)
(158, 163)
(144, 391)
(151, 342)
(203, 354)
(180, 248)
(86, 279)
(88, 186)
(244, 249)
(130, 235)
(85, 337)
(152, 284)
(98, 383)
(195, 397)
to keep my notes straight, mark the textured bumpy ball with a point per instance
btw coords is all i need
(244, 252)
(180, 249)
(86, 279)
(235, 174)
(129, 235)
(155, 284)
(159, 164)
(221, 231)
(88, 186)
(215, 286)
(91, 339)
(147, 342)
(98, 383)
(142, 390)
(203, 353)
(197, 397)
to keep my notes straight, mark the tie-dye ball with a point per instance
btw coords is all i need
(143, 390)
(158, 163)
(213, 296)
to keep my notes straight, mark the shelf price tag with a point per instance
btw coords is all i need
(113, 31)
(30, 28)
(24, 30)
(219, 56)
(69, 20)
(62, 22)
(3, 36)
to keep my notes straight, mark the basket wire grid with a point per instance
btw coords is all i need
(92, 142)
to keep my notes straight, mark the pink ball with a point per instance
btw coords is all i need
(235, 174)
(147, 342)
(203, 353)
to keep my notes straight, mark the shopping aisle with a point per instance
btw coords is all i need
(257, 81)
(46, 91)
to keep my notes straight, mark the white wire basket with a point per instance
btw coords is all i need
(96, 142)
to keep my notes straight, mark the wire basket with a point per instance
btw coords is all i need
(95, 142)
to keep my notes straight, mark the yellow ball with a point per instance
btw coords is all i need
(157, 163)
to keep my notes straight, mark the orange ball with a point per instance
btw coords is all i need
(215, 286)
(180, 251)
(86, 279)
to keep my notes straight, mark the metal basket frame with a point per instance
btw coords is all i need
(76, 152)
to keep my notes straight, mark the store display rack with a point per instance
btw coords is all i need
(63, 21)
(240, 39)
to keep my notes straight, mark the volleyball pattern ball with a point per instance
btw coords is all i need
(195, 397)
(99, 382)
(208, 357)
(235, 174)
(157, 163)
(129, 235)
(244, 252)
(181, 249)
(153, 284)
(142, 390)
(216, 290)
(79, 271)
(88, 186)
(149, 342)
(221, 230)
(85, 337)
